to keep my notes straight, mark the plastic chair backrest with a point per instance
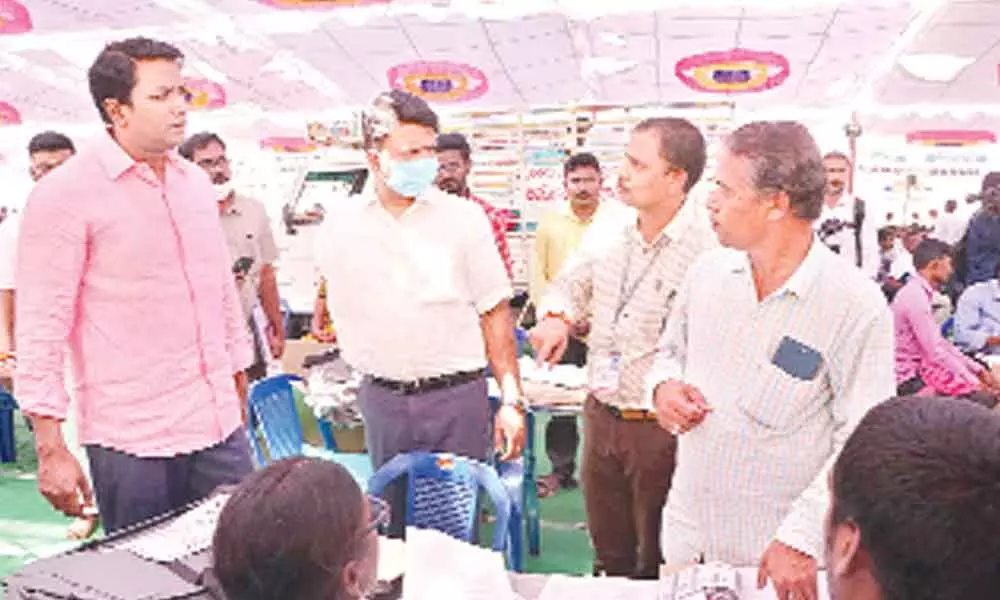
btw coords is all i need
(272, 408)
(443, 493)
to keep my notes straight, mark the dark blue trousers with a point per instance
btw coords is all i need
(132, 489)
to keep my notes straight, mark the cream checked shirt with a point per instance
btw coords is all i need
(593, 279)
(756, 468)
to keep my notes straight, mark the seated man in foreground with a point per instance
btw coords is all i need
(914, 504)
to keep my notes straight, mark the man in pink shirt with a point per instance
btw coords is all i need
(122, 263)
(926, 363)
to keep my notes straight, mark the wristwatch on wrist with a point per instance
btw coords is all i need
(517, 403)
(559, 315)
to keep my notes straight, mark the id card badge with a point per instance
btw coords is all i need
(607, 373)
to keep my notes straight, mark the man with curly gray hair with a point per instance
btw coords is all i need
(775, 349)
(420, 299)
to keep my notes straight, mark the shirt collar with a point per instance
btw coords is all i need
(566, 210)
(923, 283)
(116, 161)
(673, 231)
(431, 196)
(804, 275)
(235, 207)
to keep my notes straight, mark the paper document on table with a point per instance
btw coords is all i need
(562, 587)
(439, 567)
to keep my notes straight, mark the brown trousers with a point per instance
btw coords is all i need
(626, 473)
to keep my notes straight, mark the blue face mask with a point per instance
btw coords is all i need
(413, 177)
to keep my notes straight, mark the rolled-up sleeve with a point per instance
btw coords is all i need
(862, 377)
(51, 258)
(488, 282)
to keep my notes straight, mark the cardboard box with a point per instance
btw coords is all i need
(296, 351)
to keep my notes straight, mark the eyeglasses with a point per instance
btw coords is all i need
(212, 163)
(379, 514)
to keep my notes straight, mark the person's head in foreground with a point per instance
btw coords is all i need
(138, 89)
(915, 504)
(399, 132)
(48, 150)
(300, 528)
(770, 184)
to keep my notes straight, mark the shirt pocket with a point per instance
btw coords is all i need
(782, 403)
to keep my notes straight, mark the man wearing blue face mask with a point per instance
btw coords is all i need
(420, 298)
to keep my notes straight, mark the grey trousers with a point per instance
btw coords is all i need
(132, 489)
(456, 420)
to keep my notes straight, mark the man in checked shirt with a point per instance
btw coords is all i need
(775, 349)
(628, 285)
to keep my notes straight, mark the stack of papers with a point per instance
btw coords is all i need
(439, 567)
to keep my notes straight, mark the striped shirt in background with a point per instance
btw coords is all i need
(592, 282)
(756, 468)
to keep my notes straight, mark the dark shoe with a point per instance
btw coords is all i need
(569, 483)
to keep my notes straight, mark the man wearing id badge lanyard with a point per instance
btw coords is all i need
(775, 349)
(627, 284)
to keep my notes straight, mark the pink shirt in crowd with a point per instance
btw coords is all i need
(131, 277)
(918, 336)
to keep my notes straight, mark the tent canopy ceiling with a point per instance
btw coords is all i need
(272, 64)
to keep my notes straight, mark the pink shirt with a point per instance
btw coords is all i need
(918, 336)
(131, 277)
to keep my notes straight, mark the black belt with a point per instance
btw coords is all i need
(427, 384)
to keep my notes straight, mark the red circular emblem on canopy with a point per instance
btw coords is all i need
(14, 18)
(737, 71)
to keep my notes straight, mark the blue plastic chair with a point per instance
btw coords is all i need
(272, 409)
(443, 493)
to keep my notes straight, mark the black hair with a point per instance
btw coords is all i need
(920, 478)
(928, 251)
(406, 107)
(581, 160)
(50, 141)
(886, 233)
(454, 141)
(785, 158)
(288, 531)
(681, 144)
(113, 74)
(837, 155)
(197, 142)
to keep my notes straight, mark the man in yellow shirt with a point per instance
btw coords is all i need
(558, 235)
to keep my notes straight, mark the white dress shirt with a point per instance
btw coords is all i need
(405, 294)
(951, 227)
(844, 239)
(756, 468)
